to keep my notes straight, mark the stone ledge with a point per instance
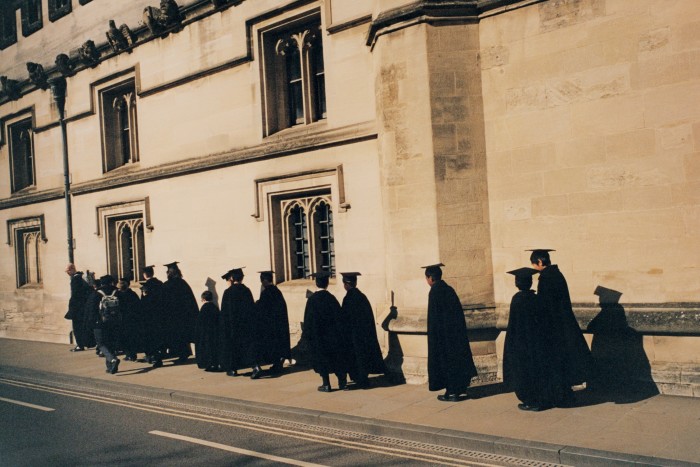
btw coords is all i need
(645, 318)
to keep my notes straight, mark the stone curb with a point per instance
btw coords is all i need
(524, 449)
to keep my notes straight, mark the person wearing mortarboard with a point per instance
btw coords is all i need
(206, 346)
(272, 309)
(240, 330)
(328, 346)
(131, 330)
(181, 308)
(573, 357)
(527, 351)
(154, 317)
(366, 357)
(450, 362)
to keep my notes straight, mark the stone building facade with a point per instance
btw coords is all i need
(370, 135)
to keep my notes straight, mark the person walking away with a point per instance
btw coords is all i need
(272, 311)
(206, 346)
(357, 312)
(327, 345)
(103, 311)
(450, 362)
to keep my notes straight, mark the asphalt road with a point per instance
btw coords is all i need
(47, 426)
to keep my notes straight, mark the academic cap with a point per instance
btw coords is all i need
(266, 275)
(151, 266)
(438, 265)
(607, 295)
(433, 269)
(321, 274)
(172, 265)
(546, 250)
(523, 272)
(350, 277)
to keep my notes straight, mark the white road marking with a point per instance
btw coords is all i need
(26, 404)
(225, 447)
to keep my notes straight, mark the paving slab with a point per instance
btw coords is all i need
(657, 430)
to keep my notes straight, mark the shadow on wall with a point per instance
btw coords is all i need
(623, 372)
(210, 284)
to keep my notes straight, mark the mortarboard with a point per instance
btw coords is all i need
(172, 265)
(350, 277)
(151, 266)
(432, 269)
(266, 274)
(523, 272)
(544, 250)
(321, 274)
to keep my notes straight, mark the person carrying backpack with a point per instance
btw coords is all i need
(104, 314)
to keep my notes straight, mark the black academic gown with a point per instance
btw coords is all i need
(79, 293)
(154, 317)
(240, 334)
(272, 310)
(450, 362)
(181, 309)
(363, 334)
(329, 347)
(131, 330)
(207, 341)
(527, 356)
(571, 350)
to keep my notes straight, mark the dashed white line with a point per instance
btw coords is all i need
(245, 452)
(27, 404)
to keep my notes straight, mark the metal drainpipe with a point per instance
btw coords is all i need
(58, 89)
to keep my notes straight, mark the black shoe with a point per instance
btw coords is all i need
(448, 398)
(528, 408)
(114, 366)
(232, 373)
(324, 388)
(256, 373)
(99, 354)
(276, 368)
(77, 348)
(157, 363)
(181, 360)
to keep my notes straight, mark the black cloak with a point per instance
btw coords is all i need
(572, 353)
(181, 309)
(79, 293)
(239, 329)
(131, 330)
(528, 364)
(207, 342)
(272, 310)
(363, 334)
(154, 316)
(450, 362)
(328, 346)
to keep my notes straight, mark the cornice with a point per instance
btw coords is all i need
(439, 12)
(31, 198)
(274, 147)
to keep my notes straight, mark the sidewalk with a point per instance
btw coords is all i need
(661, 430)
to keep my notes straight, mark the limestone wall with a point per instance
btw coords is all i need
(591, 116)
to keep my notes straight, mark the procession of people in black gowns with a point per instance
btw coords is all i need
(545, 353)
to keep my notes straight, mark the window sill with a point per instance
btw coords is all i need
(31, 287)
(123, 169)
(24, 191)
(299, 130)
